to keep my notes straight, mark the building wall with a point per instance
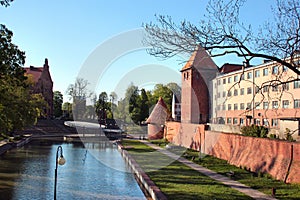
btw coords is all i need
(264, 100)
(257, 154)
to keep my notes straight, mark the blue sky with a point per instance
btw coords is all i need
(67, 32)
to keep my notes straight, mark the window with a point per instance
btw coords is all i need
(218, 95)
(235, 106)
(265, 105)
(218, 107)
(223, 107)
(285, 86)
(274, 88)
(249, 106)
(297, 103)
(256, 89)
(265, 72)
(224, 81)
(219, 82)
(256, 121)
(256, 73)
(242, 106)
(229, 79)
(275, 122)
(275, 104)
(275, 70)
(228, 120)
(266, 88)
(241, 121)
(186, 76)
(242, 91)
(235, 78)
(285, 68)
(242, 77)
(229, 94)
(235, 92)
(285, 103)
(235, 120)
(296, 84)
(249, 75)
(229, 107)
(249, 90)
(257, 105)
(265, 122)
(224, 93)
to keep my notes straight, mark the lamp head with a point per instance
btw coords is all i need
(61, 160)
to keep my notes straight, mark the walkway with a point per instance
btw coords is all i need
(218, 177)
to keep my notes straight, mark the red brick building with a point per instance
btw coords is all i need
(197, 76)
(43, 84)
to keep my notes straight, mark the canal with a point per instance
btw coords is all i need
(91, 171)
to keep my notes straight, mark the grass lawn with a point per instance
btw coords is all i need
(176, 180)
(261, 182)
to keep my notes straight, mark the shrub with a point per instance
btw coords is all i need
(255, 131)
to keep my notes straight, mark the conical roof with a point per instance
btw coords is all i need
(159, 113)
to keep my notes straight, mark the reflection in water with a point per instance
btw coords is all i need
(89, 173)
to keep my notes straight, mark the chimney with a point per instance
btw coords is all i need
(46, 66)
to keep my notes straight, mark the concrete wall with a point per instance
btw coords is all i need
(280, 159)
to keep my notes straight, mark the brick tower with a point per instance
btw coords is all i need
(196, 86)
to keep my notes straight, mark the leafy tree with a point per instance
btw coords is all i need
(12, 59)
(221, 33)
(57, 103)
(102, 106)
(163, 91)
(18, 106)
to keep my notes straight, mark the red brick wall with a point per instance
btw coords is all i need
(257, 154)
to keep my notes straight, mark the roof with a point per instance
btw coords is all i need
(159, 113)
(36, 72)
(227, 68)
(200, 60)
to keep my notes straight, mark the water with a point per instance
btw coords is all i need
(95, 172)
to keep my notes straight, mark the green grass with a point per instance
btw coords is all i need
(176, 180)
(259, 181)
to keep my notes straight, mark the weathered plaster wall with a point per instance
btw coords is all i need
(280, 159)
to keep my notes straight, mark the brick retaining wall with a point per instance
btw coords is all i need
(281, 159)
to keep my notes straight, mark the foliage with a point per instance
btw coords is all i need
(255, 131)
(67, 110)
(18, 106)
(289, 135)
(57, 103)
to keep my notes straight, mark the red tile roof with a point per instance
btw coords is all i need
(35, 72)
(227, 68)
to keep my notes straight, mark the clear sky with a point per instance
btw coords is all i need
(68, 32)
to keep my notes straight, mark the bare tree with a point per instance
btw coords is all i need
(220, 33)
(79, 93)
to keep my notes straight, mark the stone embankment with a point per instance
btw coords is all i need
(143, 178)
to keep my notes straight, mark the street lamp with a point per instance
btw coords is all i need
(61, 161)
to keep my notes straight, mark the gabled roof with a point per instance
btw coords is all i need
(227, 68)
(200, 60)
(35, 72)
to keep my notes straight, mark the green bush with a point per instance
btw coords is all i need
(255, 131)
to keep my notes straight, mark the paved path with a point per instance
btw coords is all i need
(218, 177)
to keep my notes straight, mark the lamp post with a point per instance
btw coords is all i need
(61, 161)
